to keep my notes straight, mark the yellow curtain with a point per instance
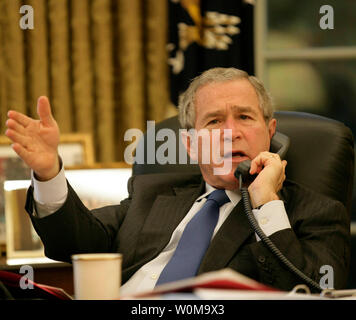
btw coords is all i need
(102, 63)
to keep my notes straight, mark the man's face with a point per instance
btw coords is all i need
(231, 105)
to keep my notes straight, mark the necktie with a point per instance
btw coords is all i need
(195, 240)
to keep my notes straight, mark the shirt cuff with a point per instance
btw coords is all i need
(53, 191)
(272, 217)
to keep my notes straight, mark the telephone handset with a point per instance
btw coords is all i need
(279, 145)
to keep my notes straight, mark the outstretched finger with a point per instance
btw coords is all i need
(21, 151)
(19, 117)
(44, 111)
(17, 137)
(14, 125)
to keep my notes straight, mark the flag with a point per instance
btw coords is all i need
(208, 33)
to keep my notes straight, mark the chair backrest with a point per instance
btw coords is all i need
(320, 156)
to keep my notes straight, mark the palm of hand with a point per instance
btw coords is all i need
(41, 145)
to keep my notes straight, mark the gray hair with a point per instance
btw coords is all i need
(186, 104)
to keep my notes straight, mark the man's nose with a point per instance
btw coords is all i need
(232, 129)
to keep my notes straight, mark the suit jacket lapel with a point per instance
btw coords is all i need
(232, 234)
(164, 217)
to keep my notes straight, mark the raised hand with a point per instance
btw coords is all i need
(36, 141)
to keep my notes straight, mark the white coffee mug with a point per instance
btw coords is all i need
(97, 276)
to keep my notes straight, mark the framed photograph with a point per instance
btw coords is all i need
(75, 149)
(11, 168)
(95, 186)
(21, 239)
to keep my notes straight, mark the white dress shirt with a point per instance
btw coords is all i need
(272, 217)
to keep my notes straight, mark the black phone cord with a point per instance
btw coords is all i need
(270, 245)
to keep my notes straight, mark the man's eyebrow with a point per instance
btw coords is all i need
(242, 109)
(213, 114)
(238, 109)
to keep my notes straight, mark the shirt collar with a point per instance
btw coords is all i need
(233, 195)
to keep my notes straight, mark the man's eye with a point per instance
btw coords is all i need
(244, 117)
(214, 121)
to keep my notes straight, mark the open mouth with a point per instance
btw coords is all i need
(236, 155)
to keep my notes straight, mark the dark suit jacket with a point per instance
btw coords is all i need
(141, 226)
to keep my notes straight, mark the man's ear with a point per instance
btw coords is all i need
(189, 143)
(272, 127)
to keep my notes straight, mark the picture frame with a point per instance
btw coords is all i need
(75, 149)
(96, 185)
(21, 238)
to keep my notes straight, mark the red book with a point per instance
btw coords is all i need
(34, 290)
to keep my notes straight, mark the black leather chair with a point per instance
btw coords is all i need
(320, 156)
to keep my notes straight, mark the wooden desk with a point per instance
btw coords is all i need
(56, 274)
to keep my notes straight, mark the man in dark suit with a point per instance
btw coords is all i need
(310, 229)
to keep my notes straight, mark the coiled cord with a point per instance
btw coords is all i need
(270, 245)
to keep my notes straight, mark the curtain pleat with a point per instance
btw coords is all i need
(82, 72)
(37, 67)
(156, 26)
(131, 111)
(103, 69)
(60, 63)
(102, 63)
(14, 66)
(3, 109)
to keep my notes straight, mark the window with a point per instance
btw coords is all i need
(305, 67)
